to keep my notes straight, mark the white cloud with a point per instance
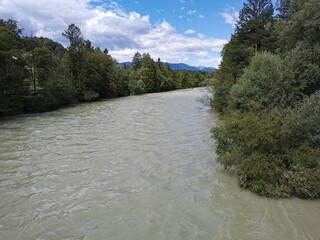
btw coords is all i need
(108, 26)
(203, 54)
(200, 35)
(191, 12)
(189, 31)
(201, 16)
(214, 61)
(230, 16)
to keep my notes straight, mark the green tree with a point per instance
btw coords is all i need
(75, 55)
(264, 85)
(75, 37)
(166, 76)
(304, 63)
(137, 61)
(284, 9)
(149, 74)
(303, 26)
(254, 26)
(44, 64)
(136, 84)
(97, 75)
(122, 76)
(254, 32)
(300, 44)
(12, 68)
(235, 57)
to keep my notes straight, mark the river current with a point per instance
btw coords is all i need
(137, 168)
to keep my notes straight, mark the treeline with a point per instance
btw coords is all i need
(38, 74)
(267, 89)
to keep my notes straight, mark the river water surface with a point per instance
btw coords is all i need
(139, 167)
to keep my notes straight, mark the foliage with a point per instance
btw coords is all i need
(307, 119)
(304, 63)
(254, 24)
(270, 133)
(12, 68)
(74, 35)
(268, 157)
(31, 43)
(38, 74)
(254, 32)
(137, 60)
(137, 86)
(263, 85)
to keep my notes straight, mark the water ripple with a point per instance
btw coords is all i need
(140, 167)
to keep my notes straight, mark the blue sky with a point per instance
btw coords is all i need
(203, 16)
(188, 31)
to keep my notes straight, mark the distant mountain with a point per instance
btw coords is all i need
(179, 66)
(183, 66)
(128, 64)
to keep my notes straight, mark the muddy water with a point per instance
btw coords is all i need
(139, 167)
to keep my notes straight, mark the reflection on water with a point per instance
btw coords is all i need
(138, 167)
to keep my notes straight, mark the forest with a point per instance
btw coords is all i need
(267, 91)
(38, 74)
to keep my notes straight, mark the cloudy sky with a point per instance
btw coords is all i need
(177, 31)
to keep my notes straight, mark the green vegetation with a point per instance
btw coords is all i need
(38, 74)
(268, 92)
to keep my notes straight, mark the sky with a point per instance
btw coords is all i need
(176, 31)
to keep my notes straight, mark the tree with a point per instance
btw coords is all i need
(75, 56)
(149, 74)
(264, 85)
(303, 62)
(136, 84)
(12, 68)
(74, 35)
(137, 61)
(44, 63)
(254, 32)
(255, 24)
(254, 14)
(97, 75)
(300, 45)
(284, 9)
(166, 76)
(76, 41)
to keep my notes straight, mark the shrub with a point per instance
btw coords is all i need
(263, 85)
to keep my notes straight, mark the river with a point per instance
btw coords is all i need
(139, 167)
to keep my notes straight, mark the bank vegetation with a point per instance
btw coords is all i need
(268, 92)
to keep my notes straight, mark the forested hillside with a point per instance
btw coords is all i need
(267, 90)
(38, 74)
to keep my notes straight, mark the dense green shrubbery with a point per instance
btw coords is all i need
(264, 84)
(39, 103)
(271, 112)
(276, 153)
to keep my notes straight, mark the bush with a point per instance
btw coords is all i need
(263, 174)
(303, 63)
(39, 103)
(263, 85)
(307, 119)
(275, 153)
(137, 87)
(62, 90)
